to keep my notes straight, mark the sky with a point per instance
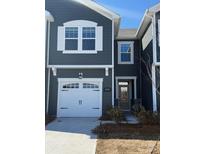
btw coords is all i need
(131, 11)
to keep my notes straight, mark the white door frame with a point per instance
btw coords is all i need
(126, 78)
(100, 80)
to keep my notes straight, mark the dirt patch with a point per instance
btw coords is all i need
(123, 146)
(127, 139)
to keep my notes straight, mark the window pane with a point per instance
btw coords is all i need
(71, 44)
(71, 32)
(125, 57)
(88, 32)
(88, 44)
(125, 48)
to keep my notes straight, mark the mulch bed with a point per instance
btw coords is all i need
(127, 131)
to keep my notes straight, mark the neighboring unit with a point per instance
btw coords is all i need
(91, 64)
(149, 36)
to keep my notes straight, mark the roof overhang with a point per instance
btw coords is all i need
(103, 11)
(147, 19)
(48, 16)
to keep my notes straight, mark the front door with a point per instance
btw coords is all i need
(124, 101)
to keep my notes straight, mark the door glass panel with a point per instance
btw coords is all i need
(71, 86)
(123, 83)
(90, 85)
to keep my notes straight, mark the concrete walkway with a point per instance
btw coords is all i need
(71, 136)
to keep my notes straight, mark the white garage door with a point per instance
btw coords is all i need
(80, 98)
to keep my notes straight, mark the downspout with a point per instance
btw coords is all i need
(113, 75)
(154, 97)
(47, 59)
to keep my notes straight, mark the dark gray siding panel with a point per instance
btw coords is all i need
(129, 69)
(158, 86)
(146, 55)
(67, 10)
(73, 73)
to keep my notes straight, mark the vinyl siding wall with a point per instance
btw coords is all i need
(67, 10)
(128, 69)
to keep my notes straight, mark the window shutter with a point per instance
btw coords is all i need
(99, 38)
(61, 39)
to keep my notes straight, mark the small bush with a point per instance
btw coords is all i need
(116, 114)
(137, 108)
(149, 118)
(105, 117)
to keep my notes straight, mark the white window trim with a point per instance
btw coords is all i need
(117, 78)
(132, 52)
(78, 24)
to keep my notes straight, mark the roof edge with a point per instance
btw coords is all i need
(147, 19)
(103, 11)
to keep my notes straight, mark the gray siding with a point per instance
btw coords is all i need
(67, 10)
(147, 99)
(158, 83)
(73, 73)
(129, 69)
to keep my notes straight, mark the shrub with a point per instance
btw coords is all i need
(116, 114)
(137, 108)
(105, 117)
(149, 118)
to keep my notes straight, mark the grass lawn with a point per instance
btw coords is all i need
(127, 139)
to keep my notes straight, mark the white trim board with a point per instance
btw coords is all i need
(126, 78)
(80, 66)
(154, 94)
(48, 91)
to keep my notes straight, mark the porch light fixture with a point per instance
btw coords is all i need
(54, 70)
(80, 75)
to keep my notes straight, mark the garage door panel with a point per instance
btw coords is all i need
(79, 99)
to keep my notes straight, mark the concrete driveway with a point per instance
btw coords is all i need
(71, 136)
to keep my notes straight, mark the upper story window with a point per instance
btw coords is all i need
(89, 38)
(80, 37)
(125, 52)
(71, 38)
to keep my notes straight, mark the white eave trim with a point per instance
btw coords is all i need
(99, 8)
(80, 66)
(146, 19)
(48, 16)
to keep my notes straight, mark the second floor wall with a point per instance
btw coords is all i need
(79, 35)
(127, 57)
